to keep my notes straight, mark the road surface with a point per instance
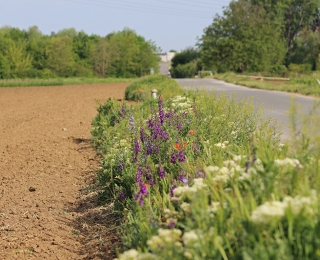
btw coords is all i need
(276, 103)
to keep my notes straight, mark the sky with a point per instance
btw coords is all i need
(170, 24)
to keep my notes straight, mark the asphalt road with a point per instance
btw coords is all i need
(276, 104)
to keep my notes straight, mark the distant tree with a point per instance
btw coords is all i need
(71, 32)
(185, 56)
(106, 52)
(244, 38)
(18, 60)
(136, 55)
(60, 56)
(291, 15)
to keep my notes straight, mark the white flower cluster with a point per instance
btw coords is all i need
(180, 102)
(133, 254)
(181, 191)
(189, 238)
(231, 167)
(222, 145)
(165, 237)
(288, 162)
(273, 210)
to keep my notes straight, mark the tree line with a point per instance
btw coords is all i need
(258, 36)
(68, 53)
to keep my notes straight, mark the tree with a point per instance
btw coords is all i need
(60, 55)
(306, 49)
(291, 15)
(245, 38)
(106, 53)
(136, 55)
(185, 63)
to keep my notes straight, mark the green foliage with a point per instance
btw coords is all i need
(140, 90)
(185, 64)
(68, 53)
(187, 70)
(298, 83)
(47, 79)
(300, 68)
(244, 39)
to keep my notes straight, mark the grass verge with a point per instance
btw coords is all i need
(59, 81)
(200, 176)
(302, 84)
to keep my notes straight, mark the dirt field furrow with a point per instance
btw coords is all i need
(45, 160)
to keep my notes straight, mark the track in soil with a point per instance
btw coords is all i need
(46, 161)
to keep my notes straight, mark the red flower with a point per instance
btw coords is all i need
(191, 132)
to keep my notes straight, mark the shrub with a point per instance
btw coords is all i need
(140, 89)
(184, 70)
(279, 70)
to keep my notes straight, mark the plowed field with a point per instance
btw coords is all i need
(46, 164)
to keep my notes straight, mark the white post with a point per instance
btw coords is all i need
(154, 93)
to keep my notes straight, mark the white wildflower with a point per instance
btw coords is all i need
(188, 255)
(190, 238)
(268, 211)
(288, 162)
(198, 184)
(213, 208)
(185, 206)
(155, 243)
(131, 254)
(220, 145)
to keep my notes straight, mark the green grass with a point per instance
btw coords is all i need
(59, 81)
(140, 89)
(302, 84)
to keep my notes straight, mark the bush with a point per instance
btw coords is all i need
(301, 68)
(184, 70)
(279, 70)
(140, 89)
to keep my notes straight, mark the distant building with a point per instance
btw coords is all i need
(166, 56)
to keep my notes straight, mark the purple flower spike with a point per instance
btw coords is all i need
(162, 173)
(181, 156)
(183, 179)
(123, 112)
(122, 196)
(171, 190)
(141, 202)
(131, 123)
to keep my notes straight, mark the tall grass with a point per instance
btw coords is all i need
(59, 81)
(303, 84)
(197, 176)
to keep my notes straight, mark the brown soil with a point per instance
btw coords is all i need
(47, 210)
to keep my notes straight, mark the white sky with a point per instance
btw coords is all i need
(171, 24)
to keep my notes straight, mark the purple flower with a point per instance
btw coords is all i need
(162, 173)
(131, 123)
(161, 113)
(137, 149)
(247, 166)
(141, 202)
(200, 175)
(171, 224)
(122, 196)
(183, 179)
(181, 156)
(171, 190)
(173, 158)
(142, 137)
(123, 112)
(121, 166)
